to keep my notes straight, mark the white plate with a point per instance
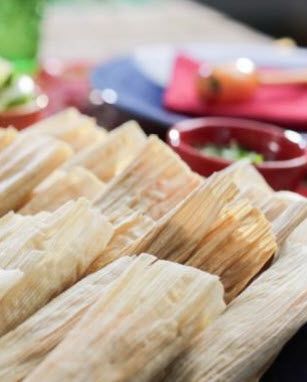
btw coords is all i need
(156, 61)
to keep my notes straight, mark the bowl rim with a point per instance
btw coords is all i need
(191, 124)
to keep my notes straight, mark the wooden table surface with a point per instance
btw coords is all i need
(95, 30)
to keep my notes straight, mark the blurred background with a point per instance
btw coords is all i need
(61, 41)
(94, 28)
(274, 17)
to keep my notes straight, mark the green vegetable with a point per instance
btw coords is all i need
(6, 71)
(18, 101)
(233, 152)
(20, 91)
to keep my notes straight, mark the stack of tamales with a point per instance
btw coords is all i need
(116, 260)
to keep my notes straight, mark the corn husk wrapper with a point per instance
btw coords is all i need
(299, 234)
(255, 189)
(186, 225)
(128, 232)
(53, 250)
(22, 349)
(7, 136)
(284, 209)
(237, 247)
(152, 187)
(110, 157)
(143, 320)
(70, 126)
(141, 195)
(24, 164)
(289, 219)
(177, 234)
(239, 345)
(233, 241)
(274, 205)
(246, 177)
(60, 187)
(9, 278)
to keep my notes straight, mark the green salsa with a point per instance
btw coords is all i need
(232, 152)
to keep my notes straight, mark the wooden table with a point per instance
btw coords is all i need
(94, 31)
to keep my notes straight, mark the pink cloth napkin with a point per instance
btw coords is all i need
(285, 105)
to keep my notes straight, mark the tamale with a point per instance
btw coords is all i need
(154, 183)
(22, 349)
(24, 164)
(142, 194)
(60, 187)
(232, 241)
(70, 126)
(189, 222)
(110, 157)
(237, 248)
(7, 136)
(176, 232)
(255, 326)
(145, 318)
(53, 250)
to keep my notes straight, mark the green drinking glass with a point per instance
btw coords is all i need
(20, 22)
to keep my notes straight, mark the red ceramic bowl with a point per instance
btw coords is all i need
(284, 150)
(22, 117)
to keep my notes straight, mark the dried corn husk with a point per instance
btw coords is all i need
(8, 278)
(128, 231)
(153, 184)
(299, 234)
(288, 197)
(22, 349)
(273, 207)
(247, 177)
(233, 241)
(234, 245)
(237, 247)
(70, 126)
(143, 320)
(146, 191)
(240, 343)
(110, 157)
(177, 232)
(7, 136)
(186, 225)
(273, 204)
(53, 250)
(286, 222)
(24, 164)
(60, 187)
(276, 204)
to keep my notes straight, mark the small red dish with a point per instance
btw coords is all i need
(284, 150)
(22, 117)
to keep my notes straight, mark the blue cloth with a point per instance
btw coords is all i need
(136, 94)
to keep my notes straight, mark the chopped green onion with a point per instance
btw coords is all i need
(232, 152)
